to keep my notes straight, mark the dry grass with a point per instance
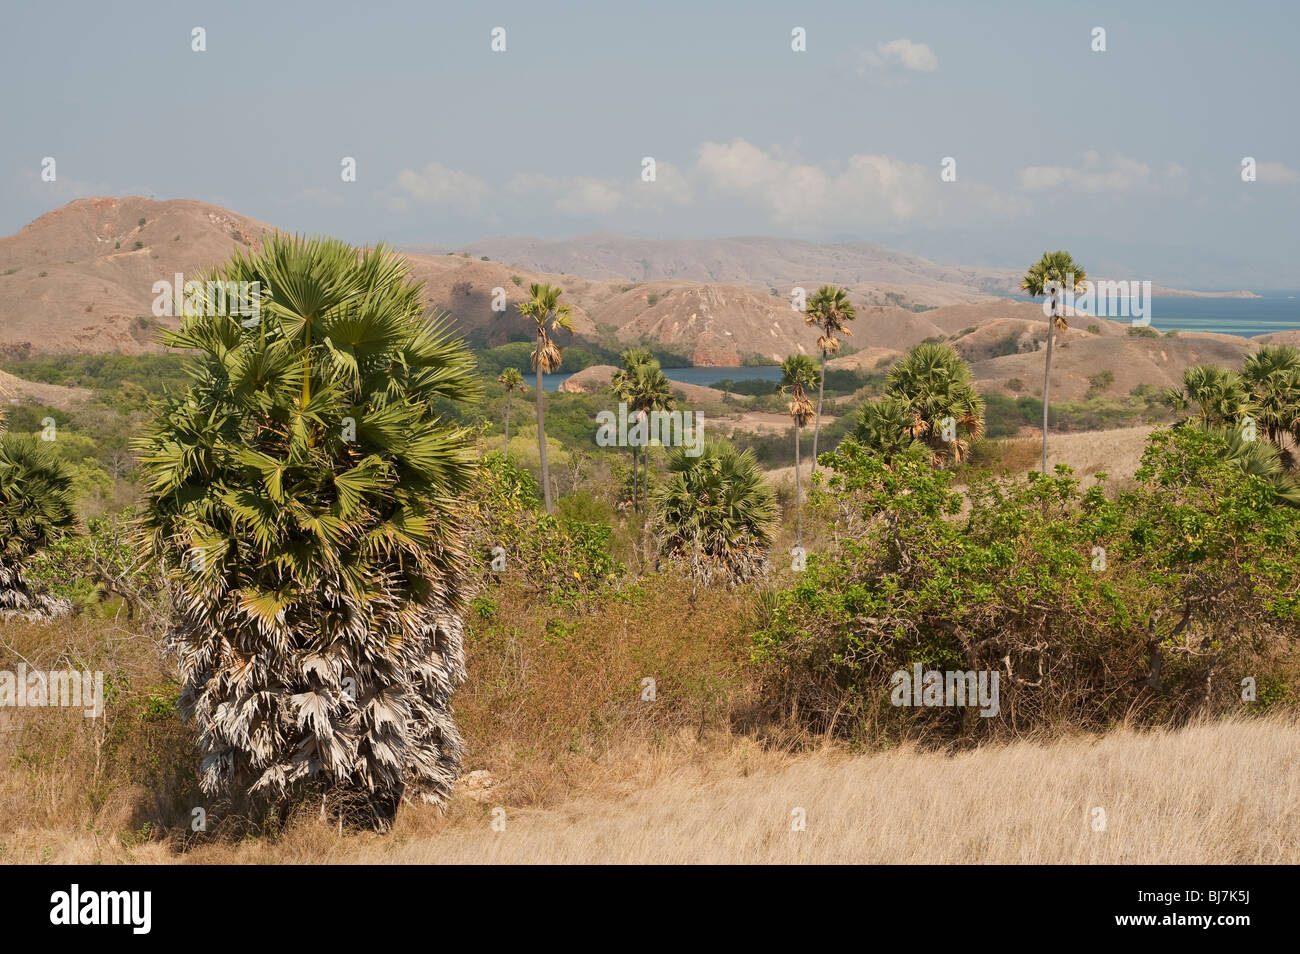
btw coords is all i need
(1227, 792)
(588, 772)
(1116, 453)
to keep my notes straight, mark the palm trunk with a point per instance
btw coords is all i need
(509, 395)
(798, 493)
(1047, 380)
(541, 443)
(635, 498)
(817, 426)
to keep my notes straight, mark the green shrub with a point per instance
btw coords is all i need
(1149, 608)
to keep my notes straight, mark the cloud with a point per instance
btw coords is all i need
(1275, 173)
(797, 195)
(583, 196)
(1121, 174)
(901, 54)
(869, 188)
(586, 195)
(438, 185)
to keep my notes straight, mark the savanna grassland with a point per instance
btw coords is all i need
(667, 657)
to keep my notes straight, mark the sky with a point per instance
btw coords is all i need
(1130, 157)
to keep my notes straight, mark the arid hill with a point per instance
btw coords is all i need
(777, 262)
(75, 281)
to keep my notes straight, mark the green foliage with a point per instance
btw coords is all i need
(930, 398)
(1005, 415)
(566, 559)
(37, 501)
(715, 514)
(1200, 587)
(1142, 331)
(154, 373)
(1100, 381)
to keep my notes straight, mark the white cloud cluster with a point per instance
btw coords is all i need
(1120, 174)
(438, 185)
(797, 195)
(1276, 173)
(902, 54)
(869, 188)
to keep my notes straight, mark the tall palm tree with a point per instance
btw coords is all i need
(303, 501)
(623, 384)
(37, 508)
(1050, 276)
(716, 513)
(544, 308)
(830, 310)
(512, 381)
(929, 397)
(1273, 376)
(798, 373)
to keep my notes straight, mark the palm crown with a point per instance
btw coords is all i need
(830, 310)
(1051, 274)
(543, 307)
(930, 396)
(798, 375)
(511, 380)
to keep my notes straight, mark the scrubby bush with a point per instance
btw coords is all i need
(1151, 607)
(566, 560)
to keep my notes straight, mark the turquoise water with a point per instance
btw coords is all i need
(1273, 311)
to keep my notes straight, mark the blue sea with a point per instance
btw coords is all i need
(1272, 311)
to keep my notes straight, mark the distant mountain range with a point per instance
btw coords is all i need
(81, 279)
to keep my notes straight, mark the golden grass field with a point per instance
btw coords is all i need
(584, 772)
(1224, 793)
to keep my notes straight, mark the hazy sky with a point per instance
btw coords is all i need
(1130, 158)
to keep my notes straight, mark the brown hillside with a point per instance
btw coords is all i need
(73, 280)
(1155, 361)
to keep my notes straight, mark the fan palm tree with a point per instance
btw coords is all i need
(37, 508)
(716, 513)
(887, 427)
(303, 501)
(830, 310)
(1273, 376)
(623, 385)
(1221, 396)
(934, 387)
(642, 385)
(544, 308)
(798, 372)
(1050, 276)
(512, 381)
